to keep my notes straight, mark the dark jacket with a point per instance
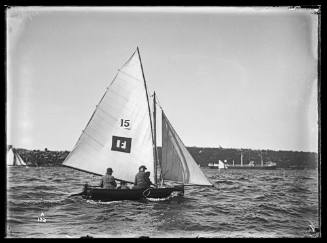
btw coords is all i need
(140, 180)
(148, 181)
(123, 187)
(108, 182)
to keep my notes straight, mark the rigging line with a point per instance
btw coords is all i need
(157, 101)
(93, 173)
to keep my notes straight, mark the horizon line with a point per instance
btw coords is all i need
(219, 147)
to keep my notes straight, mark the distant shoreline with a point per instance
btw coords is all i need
(202, 155)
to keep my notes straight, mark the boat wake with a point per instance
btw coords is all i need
(170, 197)
(102, 202)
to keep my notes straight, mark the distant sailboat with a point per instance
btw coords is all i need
(120, 134)
(222, 165)
(13, 158)
(218, 165)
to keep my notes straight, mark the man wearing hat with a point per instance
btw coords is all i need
(108, 181)
(140, 179)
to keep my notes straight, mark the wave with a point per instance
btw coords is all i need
(298, 190)
(41, 202)
(228, 182)
(14, 221)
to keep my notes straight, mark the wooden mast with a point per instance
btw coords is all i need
(152, 133)
(155, 138)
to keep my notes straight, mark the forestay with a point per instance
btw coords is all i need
(177, 163)
(118, 134)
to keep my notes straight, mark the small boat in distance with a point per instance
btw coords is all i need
(120, 134)
(222, 165)
(219, 165)
(264, 166)
(13, 158)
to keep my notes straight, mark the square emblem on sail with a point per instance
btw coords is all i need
(121, 144)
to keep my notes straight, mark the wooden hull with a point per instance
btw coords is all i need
(99, 194)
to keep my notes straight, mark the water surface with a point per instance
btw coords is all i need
(247, 203)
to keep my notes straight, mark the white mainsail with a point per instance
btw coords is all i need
(177, 163)
(14, 159)
(118, 134)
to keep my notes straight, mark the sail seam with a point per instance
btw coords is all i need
(93, 138)
(129, 75)
(106, 113)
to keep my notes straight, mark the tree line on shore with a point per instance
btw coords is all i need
(203, 156)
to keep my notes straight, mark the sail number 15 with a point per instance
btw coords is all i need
(125, 123)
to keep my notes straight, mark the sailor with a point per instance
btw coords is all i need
(140, 179)
(108, 181)
(123, 185)
(147, 179)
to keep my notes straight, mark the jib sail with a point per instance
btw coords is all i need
(177, 163)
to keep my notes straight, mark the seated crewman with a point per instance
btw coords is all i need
(108, 181)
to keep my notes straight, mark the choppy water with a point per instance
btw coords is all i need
(248, 203)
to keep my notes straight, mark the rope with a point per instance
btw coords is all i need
(149, 189)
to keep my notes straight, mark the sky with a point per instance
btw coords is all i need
(229, 77)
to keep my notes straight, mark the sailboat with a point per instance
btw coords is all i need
(222, 165)
(121, 134)
(13, 158)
